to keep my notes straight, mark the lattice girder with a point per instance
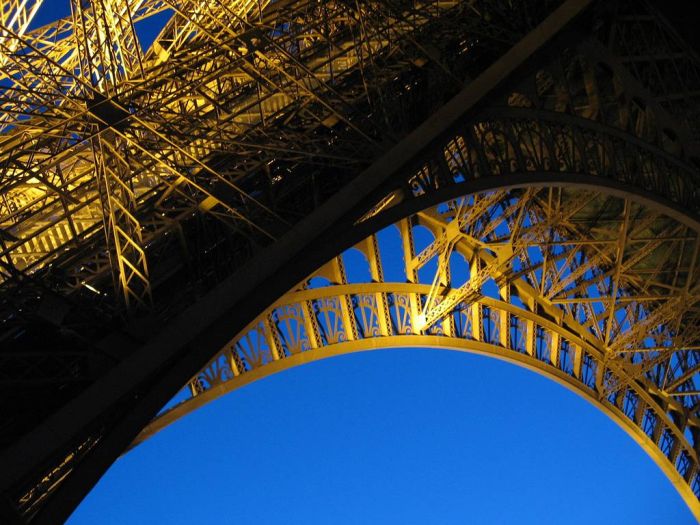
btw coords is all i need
(618, 351)
(245, 122)
(180, 113)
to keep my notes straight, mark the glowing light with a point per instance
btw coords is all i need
(91, 288)
(420, 321)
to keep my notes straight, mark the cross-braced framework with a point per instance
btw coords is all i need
(539, 161)
(597, 292)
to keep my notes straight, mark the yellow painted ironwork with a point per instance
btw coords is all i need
(81, 110)
(522, 310)
(244, 117)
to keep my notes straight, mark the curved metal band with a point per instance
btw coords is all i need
(315, 321)
(524, 147)
(572, 363)
(499, 153)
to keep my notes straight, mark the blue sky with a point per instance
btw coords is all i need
(396, 436)
(410, 436)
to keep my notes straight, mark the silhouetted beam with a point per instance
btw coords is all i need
(145, 381)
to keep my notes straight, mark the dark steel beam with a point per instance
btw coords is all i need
(144, 382)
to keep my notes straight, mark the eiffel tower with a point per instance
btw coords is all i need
(182, 218)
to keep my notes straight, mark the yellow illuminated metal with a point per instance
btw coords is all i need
(72, 126)
(521, 317)
(108, 145)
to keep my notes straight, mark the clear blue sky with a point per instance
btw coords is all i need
(398, 436)
(410, 436)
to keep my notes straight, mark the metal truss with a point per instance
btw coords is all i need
(156, 200)
(209, 120)
(596, 292)
(143, 161)
(651, 52)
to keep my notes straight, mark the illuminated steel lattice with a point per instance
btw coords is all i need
(221, 203)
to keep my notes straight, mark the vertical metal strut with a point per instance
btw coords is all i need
(110, 57)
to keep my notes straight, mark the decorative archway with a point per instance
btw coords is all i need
(579, 241)
(594, 291)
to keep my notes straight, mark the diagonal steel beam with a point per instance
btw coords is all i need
(183, 347)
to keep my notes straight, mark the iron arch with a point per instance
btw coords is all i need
(571, 283)
(573, 119)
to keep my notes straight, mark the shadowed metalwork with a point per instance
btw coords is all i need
(180, 213)
(574, 284)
